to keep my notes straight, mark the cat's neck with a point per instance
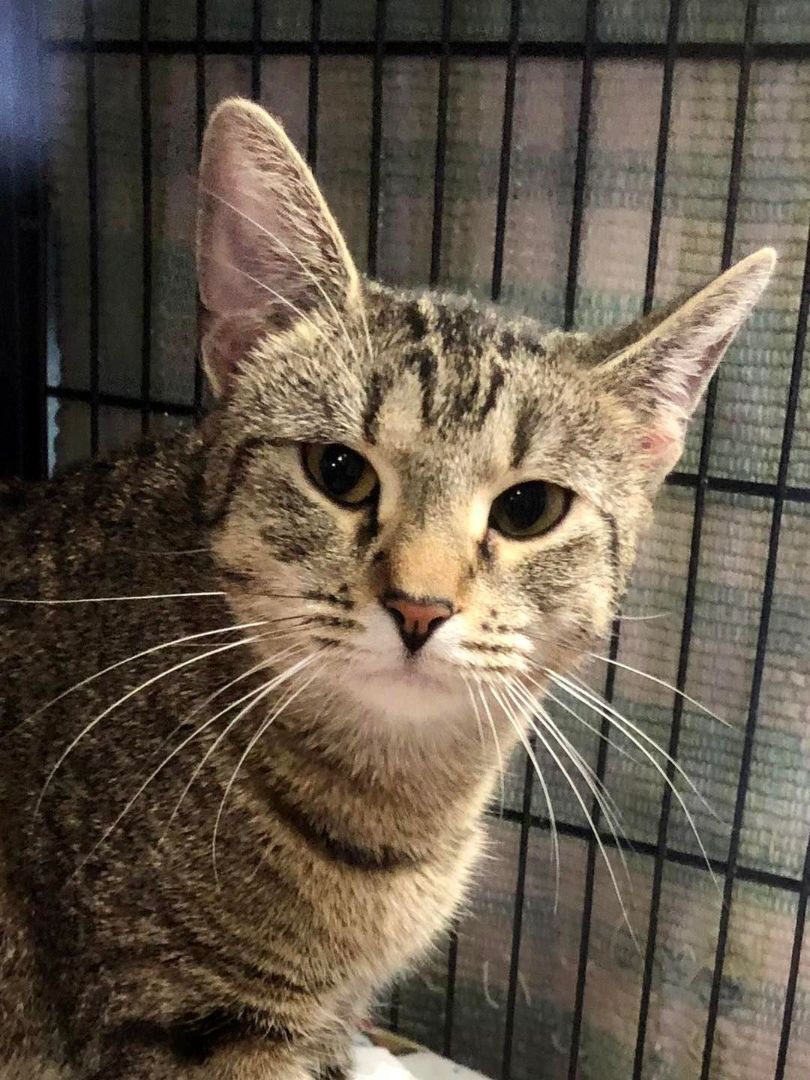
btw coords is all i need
(418, 798)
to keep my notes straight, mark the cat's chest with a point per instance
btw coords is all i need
(362, 927)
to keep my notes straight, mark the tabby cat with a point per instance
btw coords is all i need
(258, 678)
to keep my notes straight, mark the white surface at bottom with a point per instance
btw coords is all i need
(373, 1063)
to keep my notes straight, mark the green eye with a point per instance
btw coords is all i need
(341, 473)
(529, 509)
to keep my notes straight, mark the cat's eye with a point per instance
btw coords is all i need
(529, 509)
(340, 472)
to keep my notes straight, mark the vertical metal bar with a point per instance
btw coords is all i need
(795, 964)
(200, 110)
(37, 467)
(435, 269)
(450, 992)
(12, 350)
(590, 872)
(506, 147)
(146, 218)
(649, 293)
(791, 410)
(441, 143)
(517, 919)
(92, 194)
(314, 76)
(256, 54)
(376, 137)
(581, 166)
(694, 553)
(661, 153)
(580, 174)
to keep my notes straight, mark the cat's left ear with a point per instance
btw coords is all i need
(662, 376)
(269, 251)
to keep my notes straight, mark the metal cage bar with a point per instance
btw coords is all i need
(146, 217)
(92, 210)
(376, 136)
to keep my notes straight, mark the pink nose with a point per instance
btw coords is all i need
(416, 619)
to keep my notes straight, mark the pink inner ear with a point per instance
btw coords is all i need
(662, 444)
(226, 342)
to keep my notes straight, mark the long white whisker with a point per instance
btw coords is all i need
(578, 796)
(255, 738)
(582, 692)
(139, 656)
(619, 721)
(552, 820)
(477, 713)
(157, 771)
(112, 599)
(258, 693)
(130, 694)
(595, 785)
(266, 662)
(591, 727)
(498, 751)
(664, 683)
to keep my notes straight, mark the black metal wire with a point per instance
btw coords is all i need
(752, 874)
(517, 917)
(376, 137)
(581, 166)
(575, 239)
(121, 401)
(92, 211)
(693, 567)
(649, 293)
(793, 974)
(590, 870)
(314, 79)
(257, 54)
(146, 222)
(450, 991)
(442, 107)
(759, 664)
(506, 147)
(563, 50)
(199, 91)
(661, 153)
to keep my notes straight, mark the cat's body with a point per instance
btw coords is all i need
(409, 512)
(322, 892)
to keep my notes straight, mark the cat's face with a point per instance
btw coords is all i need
(422, 495)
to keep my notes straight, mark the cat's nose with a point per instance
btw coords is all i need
(416, 618)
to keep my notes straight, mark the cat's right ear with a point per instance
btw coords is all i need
(269, 251)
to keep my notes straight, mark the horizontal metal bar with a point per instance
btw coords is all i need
(642, 847)
(736, 486)
(574, 50)
(728, 484)
(121, 401)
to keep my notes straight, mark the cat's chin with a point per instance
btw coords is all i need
(408, 692)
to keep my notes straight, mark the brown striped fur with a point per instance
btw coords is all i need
(349, 836)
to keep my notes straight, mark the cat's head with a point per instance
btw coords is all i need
(424, 493)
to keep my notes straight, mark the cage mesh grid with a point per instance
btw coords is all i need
(24, 235)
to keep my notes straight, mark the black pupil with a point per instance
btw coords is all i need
(341, 469)
(524, 505)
